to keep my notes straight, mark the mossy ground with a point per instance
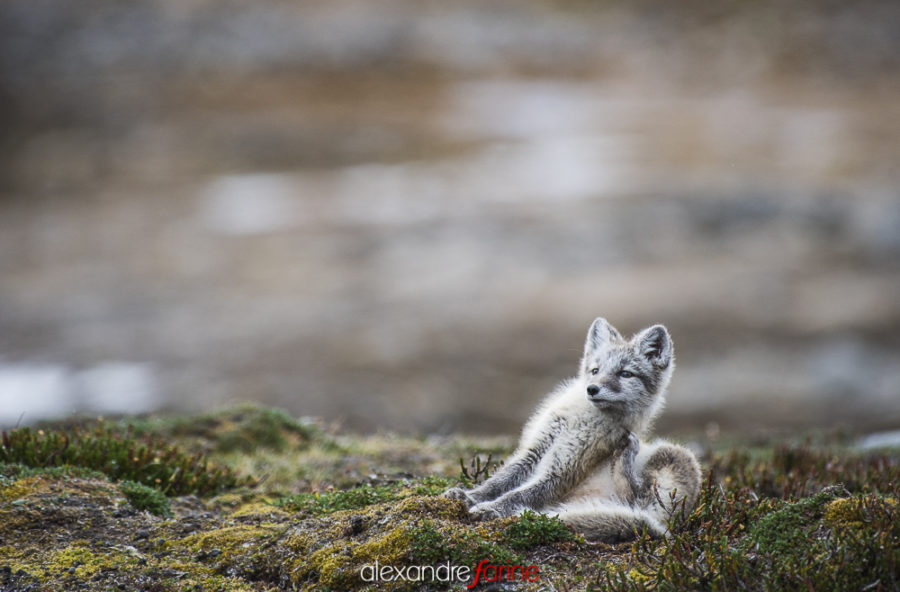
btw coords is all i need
(323, 505)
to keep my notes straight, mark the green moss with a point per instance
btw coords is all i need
(251, 427)
(432, 542)
(327, 502)
(146, 498)
(245, 428)
(790, 527)
(432, 485)
(428, 545)
(319, 504)
(11, 471)
(532, 529)
(120, 456)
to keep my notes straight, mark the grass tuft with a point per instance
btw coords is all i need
(119, 455)
(146, 498)
(319, 504)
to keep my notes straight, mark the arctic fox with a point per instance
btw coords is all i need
(580, 455)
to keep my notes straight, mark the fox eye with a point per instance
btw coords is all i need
(625, 374)
(595, 370)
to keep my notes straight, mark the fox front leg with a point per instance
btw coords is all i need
(508, 477)
(571, 461)
(627, 481)
(518, 468)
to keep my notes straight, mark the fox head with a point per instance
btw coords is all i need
(627, 376)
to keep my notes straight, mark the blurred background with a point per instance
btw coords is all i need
(404, 215)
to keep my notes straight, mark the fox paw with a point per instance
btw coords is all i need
(459, 494)
(485, 511)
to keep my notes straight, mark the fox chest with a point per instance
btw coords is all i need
(600, 484)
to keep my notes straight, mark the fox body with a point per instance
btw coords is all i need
(581, 455)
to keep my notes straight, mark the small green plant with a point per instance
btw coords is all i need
(427, 544)
(119, 456)
(788, 527)
(476, 471)
(431, 485)
(9, 472)
(461, 546)
(532, 529)
(146, 498)
(319, 504)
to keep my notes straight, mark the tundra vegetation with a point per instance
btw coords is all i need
(250, 498)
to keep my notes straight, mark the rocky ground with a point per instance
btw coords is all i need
(294, 505)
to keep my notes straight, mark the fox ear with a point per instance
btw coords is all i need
(655, 345)
(600, 334)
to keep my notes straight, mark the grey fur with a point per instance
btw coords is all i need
(580, 455)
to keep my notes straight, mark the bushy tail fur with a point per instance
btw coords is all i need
(669, 480)
(610, 523)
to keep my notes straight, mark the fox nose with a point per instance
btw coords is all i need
(593, 390)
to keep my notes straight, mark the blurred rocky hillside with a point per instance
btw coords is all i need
(405, 215)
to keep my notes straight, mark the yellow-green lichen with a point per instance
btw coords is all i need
(13, 556)
(258, 509)
(849, 513)
(393, 546)
(83, 561)
(334, 565)
(228, 539)
(19, 489)
(639, 576)
(338, 564)
(226, 500)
